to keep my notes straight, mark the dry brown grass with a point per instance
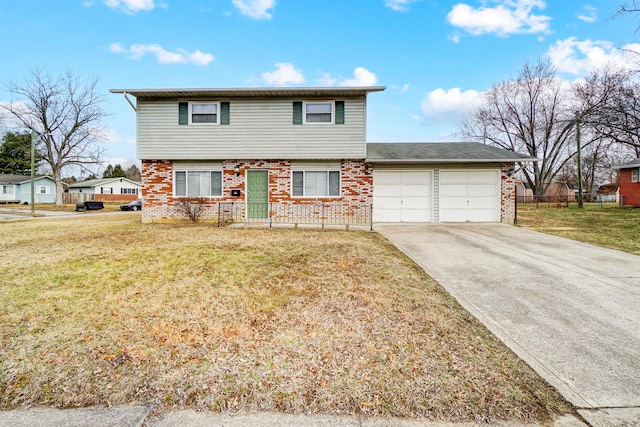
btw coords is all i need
(106, 310)
(606, 225)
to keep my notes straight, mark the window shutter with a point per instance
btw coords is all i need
(225, 116)
(297, 113)
(183, 113)
(339, 112)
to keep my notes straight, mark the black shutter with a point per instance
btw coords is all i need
(339, 112)
(225, 115)
(297, 113)
(183, 113)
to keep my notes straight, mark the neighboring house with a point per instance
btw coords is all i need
(562, 191)
(629, 183)
(109, 189)
(524, 192)
(262, 147)
(608, 193)
(17, 189)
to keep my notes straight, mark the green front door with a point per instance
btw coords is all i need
(257, 194)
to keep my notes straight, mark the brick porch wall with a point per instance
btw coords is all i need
(507, 194)
(159, 203)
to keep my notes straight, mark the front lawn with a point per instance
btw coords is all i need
(607, 225)
(106, 310)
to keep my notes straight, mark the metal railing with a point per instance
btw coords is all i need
(274, 213)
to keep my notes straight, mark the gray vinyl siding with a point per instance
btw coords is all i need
(258, 129)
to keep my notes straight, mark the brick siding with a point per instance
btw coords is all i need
(159, 203)
(629, 191)
(507, 194)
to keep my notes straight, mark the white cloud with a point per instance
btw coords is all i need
(256, 9)
(588, 14)
(405, 88)
(507, 17)
(398, 5)
(578, 57)
(446, 106)
(327, 79)
(361, 77)
(284, 74)
(131, 6)
(180, 56)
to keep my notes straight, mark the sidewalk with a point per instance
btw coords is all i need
(135, 416)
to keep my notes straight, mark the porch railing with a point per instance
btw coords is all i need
(322, 214)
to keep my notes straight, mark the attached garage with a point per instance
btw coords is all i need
(443, 182)
(402, 195)
(469, 195)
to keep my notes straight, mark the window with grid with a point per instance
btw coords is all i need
(316, 184)
(197, 184)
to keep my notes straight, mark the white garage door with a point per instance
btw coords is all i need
(470, 196)
(403, 196)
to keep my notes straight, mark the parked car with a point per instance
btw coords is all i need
(91, 205)
(136, 205)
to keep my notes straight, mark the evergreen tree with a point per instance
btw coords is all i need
(108, 172)
(118, 172)
(15, 153)
(133, 173)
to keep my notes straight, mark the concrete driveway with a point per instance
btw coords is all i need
(570, 310)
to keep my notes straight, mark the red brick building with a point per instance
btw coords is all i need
(629, 183)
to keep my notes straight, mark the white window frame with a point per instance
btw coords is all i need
(186, 177)
(304, 174)
(46, 189)
(190, 113)
(304, 113)
(8, 189)
(634, 175)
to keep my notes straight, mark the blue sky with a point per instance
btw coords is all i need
(435, 57)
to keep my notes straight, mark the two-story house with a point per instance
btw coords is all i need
(272, 147)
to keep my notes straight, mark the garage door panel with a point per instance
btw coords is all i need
(472, 195)
(402, 196)
(388, 190)
(456, 190)
(413, 190)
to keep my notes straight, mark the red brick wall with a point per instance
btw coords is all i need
(507, 194)
(159, 204)
(629, 191)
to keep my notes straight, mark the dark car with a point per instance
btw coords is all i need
(133, 206)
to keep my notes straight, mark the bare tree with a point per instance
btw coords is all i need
(610, 105)
(65, 112)
(530, 113)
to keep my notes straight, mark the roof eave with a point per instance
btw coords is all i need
(434, 161)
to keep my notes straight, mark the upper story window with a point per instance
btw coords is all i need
(318, 112)
(203, 113)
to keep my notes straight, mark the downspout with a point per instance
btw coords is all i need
(129, 101)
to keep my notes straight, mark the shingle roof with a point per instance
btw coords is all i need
(439, 152)
(632, 164)
(13, 179)
(18, 179)
(99, 181)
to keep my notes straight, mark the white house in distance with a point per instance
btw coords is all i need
(109, 189)
(17, 189)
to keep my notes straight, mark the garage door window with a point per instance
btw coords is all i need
(316, 184)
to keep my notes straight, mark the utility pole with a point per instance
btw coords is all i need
(579, 161)
(33, 170)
